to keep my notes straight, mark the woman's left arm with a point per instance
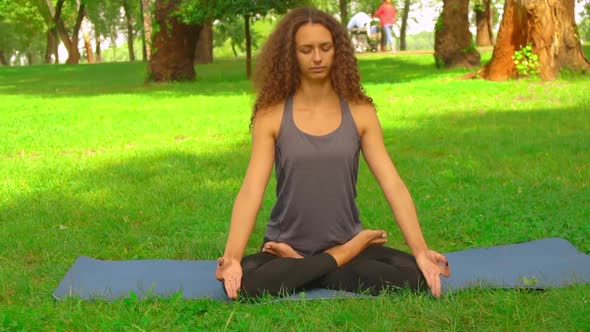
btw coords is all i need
(431, 263)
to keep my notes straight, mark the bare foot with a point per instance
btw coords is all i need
(349, 250)
(280, 249)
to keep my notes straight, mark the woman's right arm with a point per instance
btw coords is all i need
(248, 201)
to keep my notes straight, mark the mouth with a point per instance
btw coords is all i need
(317, 69)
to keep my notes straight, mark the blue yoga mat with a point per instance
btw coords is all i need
(539, 264)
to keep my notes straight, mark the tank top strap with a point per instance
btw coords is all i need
(287, 123)
(347, 119)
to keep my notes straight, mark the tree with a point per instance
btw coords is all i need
(85, 27)
(404, 26)
(130, 10)
(343, 4)
(106, 18)
(21, 31)
(483, 22)
(250, 9)
(232, 29)
(146, 14)
(204, 49)
(584, 24)
(176, 18)
(173, 53)
(549, 27)
(54, 16)
(453, 44)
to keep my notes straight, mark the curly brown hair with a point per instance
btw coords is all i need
(277, 74)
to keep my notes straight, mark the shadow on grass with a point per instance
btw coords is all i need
(224, 77)
(492, 178)
(164, 205)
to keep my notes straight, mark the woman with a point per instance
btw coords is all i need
(311, 119)
(387, 14)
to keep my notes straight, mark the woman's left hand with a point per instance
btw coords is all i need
(432, 264)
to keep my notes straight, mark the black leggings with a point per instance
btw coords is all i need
(375, 269)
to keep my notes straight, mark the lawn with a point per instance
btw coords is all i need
(95, 162)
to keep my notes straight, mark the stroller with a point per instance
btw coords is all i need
(366, 39)
(374, 38)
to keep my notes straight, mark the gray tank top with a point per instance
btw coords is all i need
(316, 185)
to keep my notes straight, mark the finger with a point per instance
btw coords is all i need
(446, 271)
(218, 274)
(270, 251)
(429, 281)
(229, 289)
(219, 269)
(442, 258)
(233, 289)
(437, 285)
(379, 241)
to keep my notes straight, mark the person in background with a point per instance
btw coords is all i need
(387, 15)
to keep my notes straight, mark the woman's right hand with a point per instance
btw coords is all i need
(230, 272)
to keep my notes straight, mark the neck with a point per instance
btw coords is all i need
(315, 92)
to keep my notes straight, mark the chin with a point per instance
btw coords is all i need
(318, 76)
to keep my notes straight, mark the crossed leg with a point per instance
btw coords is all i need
(376, 269)
(280, 269)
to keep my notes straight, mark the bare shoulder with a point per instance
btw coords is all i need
(364, 116)
(268, 120)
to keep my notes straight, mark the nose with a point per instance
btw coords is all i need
(317, 55)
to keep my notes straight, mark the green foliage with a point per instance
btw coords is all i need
(439, 25)
(371, 6)
(21, 27)
(231, 30)
(478, 5)
(420, 41)
(107, 19)
(526, 62)
(584, 24)
(584, 30)
(197, 11)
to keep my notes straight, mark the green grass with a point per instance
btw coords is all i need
(95, 162)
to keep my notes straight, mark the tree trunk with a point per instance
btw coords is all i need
(30, 58)
(233, 48)
(130, 33)
(76, 33)
(549, 26)
(71, 44)
(52, 41)
(343, 11)
(453, 45)
(174, 43)
(3, 58)
(143, 44)
(98, 49)
(483, 19)
(404, 27)
(146, 10)
(248, 46)
(204, 48)
(87, 43)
